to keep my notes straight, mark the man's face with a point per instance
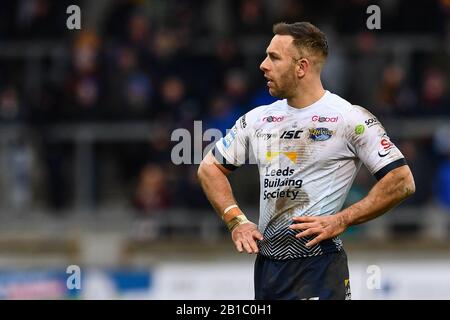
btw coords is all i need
(279, 67)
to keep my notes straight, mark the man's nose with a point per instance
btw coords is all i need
(263, 65)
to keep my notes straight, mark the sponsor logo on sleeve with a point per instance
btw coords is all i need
(320, 134)
(243, 122)
(324, 119)
(385, 146)
(229, 138)
(371, 122)
(359, 129)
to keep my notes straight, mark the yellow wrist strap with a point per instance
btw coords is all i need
(236, 221)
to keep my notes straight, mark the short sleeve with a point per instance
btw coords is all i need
(232, 150)
(370, 142)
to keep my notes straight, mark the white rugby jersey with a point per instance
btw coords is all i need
(307, 160)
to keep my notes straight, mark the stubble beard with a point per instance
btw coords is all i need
(284, 90)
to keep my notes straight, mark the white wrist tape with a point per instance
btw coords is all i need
(225, 211)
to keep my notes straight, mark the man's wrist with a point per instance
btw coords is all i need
(233, 217)
(344, 219)
(231, 212)
(236, 221)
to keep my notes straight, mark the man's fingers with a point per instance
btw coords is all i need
(304, 219)
(315, 241)
(254, 246)
(247, 247)
(257, 235)
(308, 232)
(238, 244)
(246, 240)
(302, 226)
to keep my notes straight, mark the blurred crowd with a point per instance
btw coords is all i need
(169, 63)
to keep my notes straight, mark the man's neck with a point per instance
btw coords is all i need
(307, 96)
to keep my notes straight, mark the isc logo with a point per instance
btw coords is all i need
(291, 134)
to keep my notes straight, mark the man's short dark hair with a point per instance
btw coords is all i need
(308, 39)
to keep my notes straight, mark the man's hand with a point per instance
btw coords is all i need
(324, 227)
(393, 188)
(244, 237)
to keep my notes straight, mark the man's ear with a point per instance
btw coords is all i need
(302, 67)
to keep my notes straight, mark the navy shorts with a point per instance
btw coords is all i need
(323, 277)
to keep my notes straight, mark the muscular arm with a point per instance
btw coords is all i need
(392, 189)
(215, 184)
(213, 179)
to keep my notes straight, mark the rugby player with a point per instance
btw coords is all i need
(308, 146)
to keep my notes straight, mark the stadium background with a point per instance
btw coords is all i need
(86, 118)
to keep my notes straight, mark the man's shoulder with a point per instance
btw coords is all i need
(358, 113)
(336, 101)
(348, 109)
